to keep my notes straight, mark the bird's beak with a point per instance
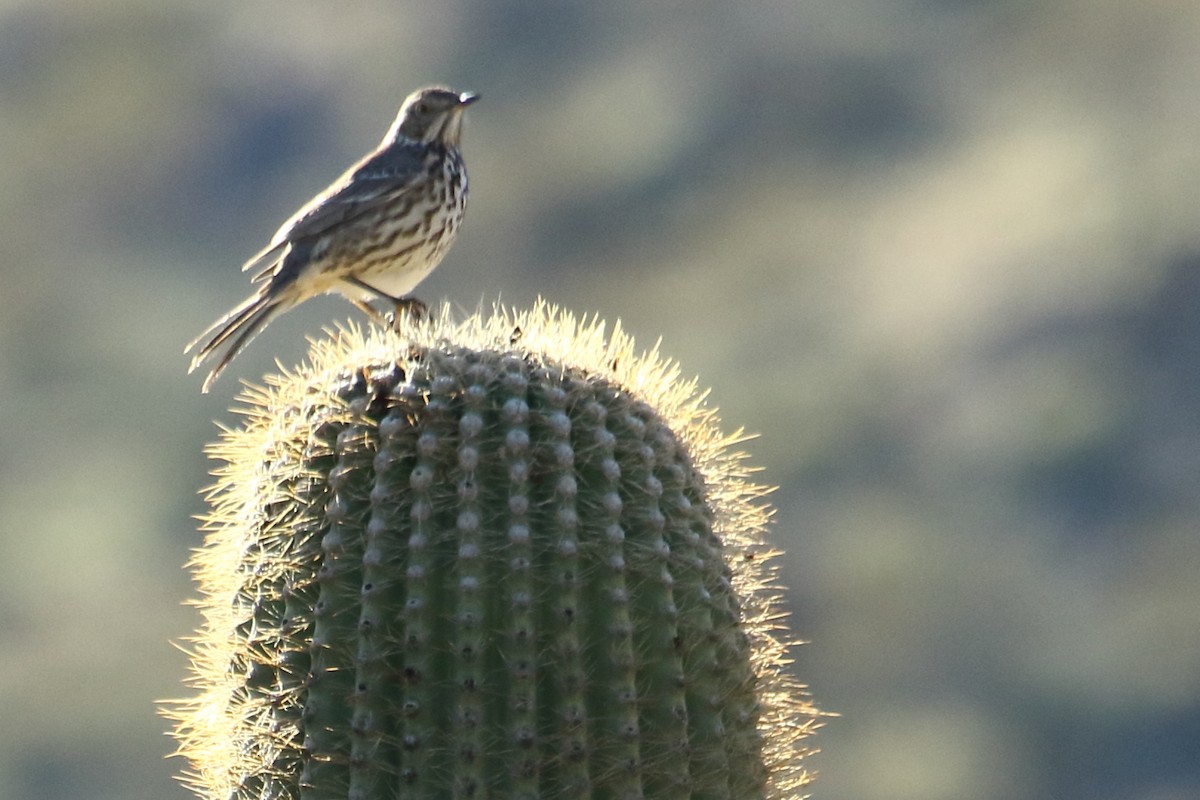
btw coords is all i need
(466, 98)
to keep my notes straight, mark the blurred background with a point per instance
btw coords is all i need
(943, 255)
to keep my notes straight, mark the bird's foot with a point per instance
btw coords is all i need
(410, 308)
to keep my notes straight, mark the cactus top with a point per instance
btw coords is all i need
(505, 558)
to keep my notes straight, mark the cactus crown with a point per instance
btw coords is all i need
(506, 558)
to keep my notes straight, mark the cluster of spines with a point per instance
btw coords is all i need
(490, 577)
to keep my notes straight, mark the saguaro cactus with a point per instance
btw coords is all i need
(507, 558)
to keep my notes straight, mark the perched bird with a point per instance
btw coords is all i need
(374, 234)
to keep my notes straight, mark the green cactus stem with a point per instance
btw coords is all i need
(503, 558)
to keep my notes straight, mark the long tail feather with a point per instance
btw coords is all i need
(235, 330)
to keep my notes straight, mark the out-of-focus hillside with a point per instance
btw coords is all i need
(944, 256)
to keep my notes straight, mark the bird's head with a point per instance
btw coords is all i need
(433, 114)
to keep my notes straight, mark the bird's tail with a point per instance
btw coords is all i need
(234, 331)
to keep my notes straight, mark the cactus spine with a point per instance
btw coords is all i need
(506, 558)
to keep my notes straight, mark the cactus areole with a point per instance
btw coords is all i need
(503, 558)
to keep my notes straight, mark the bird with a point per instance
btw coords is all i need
(373, 234)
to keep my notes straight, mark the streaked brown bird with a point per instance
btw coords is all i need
(374, 234)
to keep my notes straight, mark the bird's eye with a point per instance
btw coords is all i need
(423, 107)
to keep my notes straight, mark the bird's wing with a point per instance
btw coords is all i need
(370, 183)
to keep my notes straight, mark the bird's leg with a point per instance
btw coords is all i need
(372, 312)
(411, 306)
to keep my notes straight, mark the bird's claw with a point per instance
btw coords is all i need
(407, 307)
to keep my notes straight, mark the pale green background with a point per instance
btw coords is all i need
(943, 255)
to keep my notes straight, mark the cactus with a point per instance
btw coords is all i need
(506, 558)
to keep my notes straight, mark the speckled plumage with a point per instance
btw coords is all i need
(374, 234)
